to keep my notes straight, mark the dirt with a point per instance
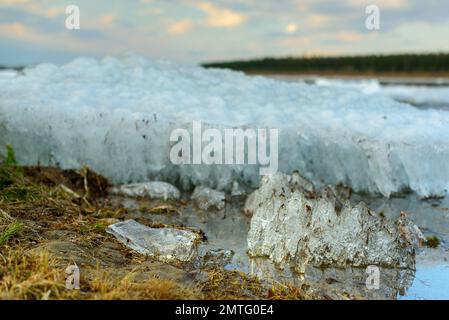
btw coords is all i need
(85, 182)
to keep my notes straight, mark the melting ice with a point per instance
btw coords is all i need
(116, 115)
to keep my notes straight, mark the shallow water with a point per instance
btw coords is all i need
(429, 284)
(228, 229)
(422, 93)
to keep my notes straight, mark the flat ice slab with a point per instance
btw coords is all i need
(164, 244)
(116, 116)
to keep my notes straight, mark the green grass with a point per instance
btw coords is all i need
(20, 192)
(100, 226)
(9, 171)
(11, 231)
(10, 160)
(13, 186)
(7, 177)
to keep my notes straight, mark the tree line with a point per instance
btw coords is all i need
(432, 62)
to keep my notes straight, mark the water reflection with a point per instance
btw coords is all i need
(339, 283)
(430, 283)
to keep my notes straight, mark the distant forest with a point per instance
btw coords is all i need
(400, 63)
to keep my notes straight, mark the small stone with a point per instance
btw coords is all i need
(206, 198)
(163, 244)
(152, 190)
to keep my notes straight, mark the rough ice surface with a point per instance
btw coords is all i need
(237, 190)
(116, 115)
(152, 190)
(207, 198)
(421, 96)
(292, 226)
(8, 73)
(164, 244)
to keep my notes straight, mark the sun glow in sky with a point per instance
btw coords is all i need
(33, 31)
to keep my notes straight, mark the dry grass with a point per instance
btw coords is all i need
(30, 276)
(235, 285)
(231, 285)
(281, 291)
(39, 275)
(108, 285)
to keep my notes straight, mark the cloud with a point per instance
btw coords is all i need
(53, 12)
(84, 40)
(13, 2)
(349, 36)
(37, 8)
(180, 27)
(291, 28)
(388, 4)
(220, 17)
(148, 7)
(317, 20)
(107, 20)
(186, 30)
(150, 11)
(295, 43)
(15, 29)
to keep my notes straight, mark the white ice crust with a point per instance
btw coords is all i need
(116, 115)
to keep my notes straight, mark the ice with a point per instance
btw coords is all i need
(153, 190)
(435, 96)
(236, 190)
(207, 198)
(165, 244)
(8, 73)
(116, 115)
(370, 86)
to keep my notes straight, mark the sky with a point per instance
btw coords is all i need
(189, 31)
